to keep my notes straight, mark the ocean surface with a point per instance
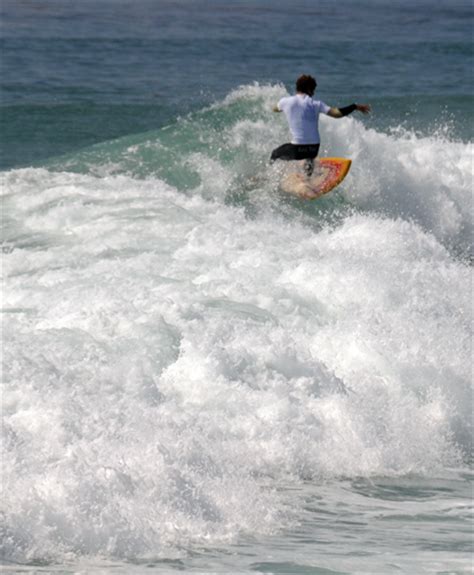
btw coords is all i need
(200, 373)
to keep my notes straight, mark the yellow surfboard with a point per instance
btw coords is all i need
(328, 173)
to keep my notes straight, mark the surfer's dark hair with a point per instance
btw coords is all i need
(306, 85)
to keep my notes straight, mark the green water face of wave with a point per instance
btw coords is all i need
(221, 133)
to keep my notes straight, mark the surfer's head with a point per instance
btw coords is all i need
(306, 85)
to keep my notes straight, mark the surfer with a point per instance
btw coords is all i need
(302, 114)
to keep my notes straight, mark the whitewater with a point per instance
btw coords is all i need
(202, 373)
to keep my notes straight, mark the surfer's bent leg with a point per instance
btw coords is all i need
(308, 154)
(305, 152)
(286, 152)
(308, 167)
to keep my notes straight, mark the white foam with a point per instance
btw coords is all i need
(170, 362)
(427, 179)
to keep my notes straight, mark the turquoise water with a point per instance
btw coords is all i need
(202, 374)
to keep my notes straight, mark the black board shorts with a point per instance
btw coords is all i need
(295, 152)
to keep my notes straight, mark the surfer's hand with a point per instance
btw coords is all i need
(364, 108)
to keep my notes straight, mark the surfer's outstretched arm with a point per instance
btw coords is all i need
(341, 112)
